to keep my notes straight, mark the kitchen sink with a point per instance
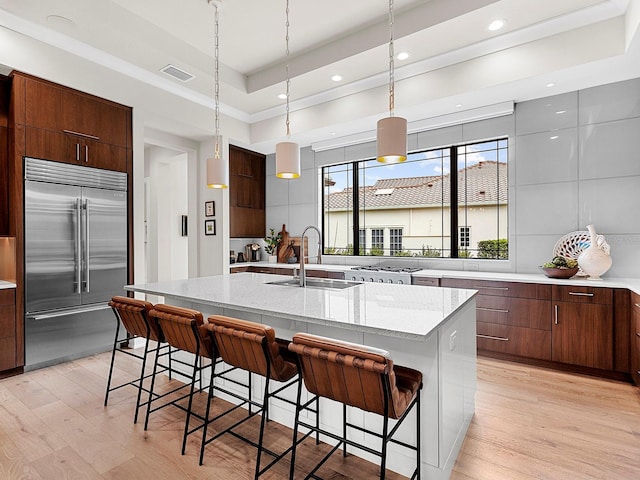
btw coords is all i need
(326, 283)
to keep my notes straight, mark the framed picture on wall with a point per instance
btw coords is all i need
(209, 227)
(210, 209)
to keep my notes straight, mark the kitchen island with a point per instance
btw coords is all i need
(430, 329)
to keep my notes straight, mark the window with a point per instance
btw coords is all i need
(395, 241)
(363, 239)
(433, 201)
(463, 237)
(377, 241)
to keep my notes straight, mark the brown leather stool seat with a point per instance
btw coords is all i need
(133, 315)
(357, 376)
(183, 329)
(253, 347)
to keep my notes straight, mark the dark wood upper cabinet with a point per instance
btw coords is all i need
(246, 193)
(53, 107)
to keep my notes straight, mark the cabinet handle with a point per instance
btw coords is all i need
(580, 294)
(489, 337)
(86, 153)
(499, 310)
(77, 152)
(555, 309)
(86, 135)
(637, 305)
(491, 288)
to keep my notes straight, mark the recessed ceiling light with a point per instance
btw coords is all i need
(458, 105)
(560, 112)
(496, 24)
(549, 85)
(336, 78)
(282, 96)
(403, 55)
(553, 137)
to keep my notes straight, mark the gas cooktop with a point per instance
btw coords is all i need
(373, 268)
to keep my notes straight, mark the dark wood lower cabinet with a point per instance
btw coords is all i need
(7, 329)
(635, 338)
(521, 341)
(583, 334)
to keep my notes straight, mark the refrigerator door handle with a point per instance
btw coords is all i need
(85, 246)
(78, 282)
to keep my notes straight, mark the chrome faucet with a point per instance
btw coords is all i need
(303, 276)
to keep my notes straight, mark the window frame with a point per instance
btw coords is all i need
(454, 203)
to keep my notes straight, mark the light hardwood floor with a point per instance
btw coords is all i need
(530, 423)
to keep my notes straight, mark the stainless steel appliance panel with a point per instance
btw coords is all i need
(52, 246)
(104, 244)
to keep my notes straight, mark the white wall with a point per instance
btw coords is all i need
(573, 160)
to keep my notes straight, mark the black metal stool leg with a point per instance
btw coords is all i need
(197, 369)
(113, 357)
(207, 411)
(295, 430)
(144, 366)
(263, 419)
(344, 429)
(383, 461)
(153, 381)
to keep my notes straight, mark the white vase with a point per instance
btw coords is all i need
(273, 258)
(593, 260)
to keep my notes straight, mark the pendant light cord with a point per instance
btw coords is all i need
(287, 67)
(217, 83)
(391, 64)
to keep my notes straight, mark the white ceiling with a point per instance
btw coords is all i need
(454, 59)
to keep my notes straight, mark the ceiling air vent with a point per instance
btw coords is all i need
(175, 72)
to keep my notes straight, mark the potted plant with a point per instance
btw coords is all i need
(272, 240)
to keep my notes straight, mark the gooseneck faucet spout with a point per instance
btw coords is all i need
(303, 276)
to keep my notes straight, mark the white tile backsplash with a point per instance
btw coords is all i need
(547, 209)
(547, 114)
(547, 157)
(534, 250)
(611, 204)
(609, 149)
(614, 101)
(277, 191)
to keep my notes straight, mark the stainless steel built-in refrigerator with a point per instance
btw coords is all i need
(75, 259)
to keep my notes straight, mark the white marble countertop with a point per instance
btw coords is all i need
(632, 284)
(5, 284)
(405, 311)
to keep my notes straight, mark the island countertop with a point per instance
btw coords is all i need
(405, 311)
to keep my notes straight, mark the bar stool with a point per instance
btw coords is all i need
(133, 315)
(362, 377)
(253, 347)
(182, 328)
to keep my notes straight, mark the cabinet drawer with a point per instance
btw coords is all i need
(7, 321)
(581, 294)
(501, 289)
(520, 312)
(427, 282)
(7, 296)
(526, 342)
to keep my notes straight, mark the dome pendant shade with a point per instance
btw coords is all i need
(217, 168)
(287, 160)
(392, 140)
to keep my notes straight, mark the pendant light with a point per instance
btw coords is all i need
(287, 153)
(392, 131)
(217, 166)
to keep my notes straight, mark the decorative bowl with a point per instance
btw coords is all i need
(559, 272)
